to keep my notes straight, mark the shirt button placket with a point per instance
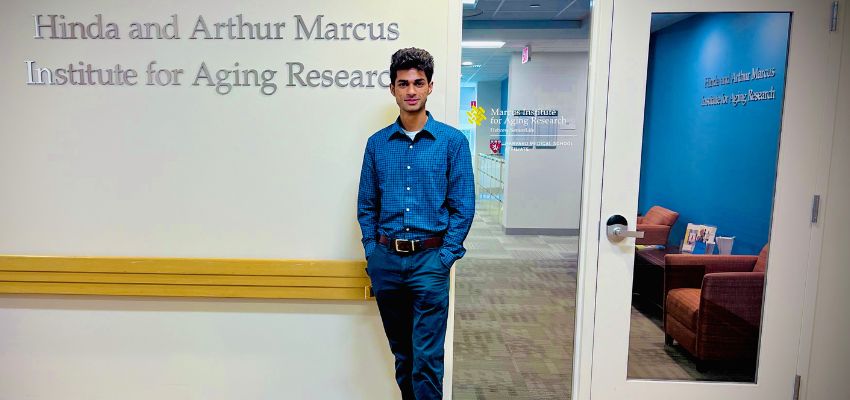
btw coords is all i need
(408, 180)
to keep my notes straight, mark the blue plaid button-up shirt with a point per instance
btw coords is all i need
(415, 189)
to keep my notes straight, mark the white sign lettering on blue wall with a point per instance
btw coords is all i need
(737, 96)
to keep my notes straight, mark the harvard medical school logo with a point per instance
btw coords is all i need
(476, 114)
(495, 145)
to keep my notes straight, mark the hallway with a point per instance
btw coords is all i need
(514, 314)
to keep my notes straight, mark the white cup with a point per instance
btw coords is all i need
(724, 244)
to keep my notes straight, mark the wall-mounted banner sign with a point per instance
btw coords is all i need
(223, 78)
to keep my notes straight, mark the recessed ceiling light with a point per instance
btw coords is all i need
(482, 44)
(466, 63)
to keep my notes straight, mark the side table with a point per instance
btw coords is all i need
(648, 279)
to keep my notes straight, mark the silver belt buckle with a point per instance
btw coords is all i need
(398, 250)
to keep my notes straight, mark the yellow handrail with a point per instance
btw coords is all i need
(185, 277)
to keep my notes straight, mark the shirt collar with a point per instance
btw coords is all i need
(430, 127)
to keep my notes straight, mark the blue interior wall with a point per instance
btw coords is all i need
(716, 164)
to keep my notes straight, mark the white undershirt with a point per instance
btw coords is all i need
(410, 134)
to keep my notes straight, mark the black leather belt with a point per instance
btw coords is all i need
(410, 246)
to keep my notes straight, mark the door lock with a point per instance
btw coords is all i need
(618, 229)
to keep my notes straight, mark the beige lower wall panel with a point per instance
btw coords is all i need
(143, 348)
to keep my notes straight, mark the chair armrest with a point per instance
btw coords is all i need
(653, 234)
(743, 266)
(732, 299)
(687, 270)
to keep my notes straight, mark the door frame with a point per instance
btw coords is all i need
(591, 204)
(602, 15)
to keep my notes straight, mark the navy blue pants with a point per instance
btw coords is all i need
(412, 292)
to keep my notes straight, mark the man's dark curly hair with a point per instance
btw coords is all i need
(412, 58)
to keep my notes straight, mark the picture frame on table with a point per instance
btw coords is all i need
(699, 239)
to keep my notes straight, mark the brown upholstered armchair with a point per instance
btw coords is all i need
(713, 304)
(656, 225)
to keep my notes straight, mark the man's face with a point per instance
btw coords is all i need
(411, 89)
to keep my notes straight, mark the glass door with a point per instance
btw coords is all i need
(712, 133)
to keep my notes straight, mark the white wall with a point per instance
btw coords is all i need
(141, 349)
(543, 188)
(829, 360)
(185, 172)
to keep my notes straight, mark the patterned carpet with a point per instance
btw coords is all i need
(515, 315)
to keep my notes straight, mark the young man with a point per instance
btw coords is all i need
(415, 206)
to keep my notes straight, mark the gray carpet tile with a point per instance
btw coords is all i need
(522, 239)
(514, 316)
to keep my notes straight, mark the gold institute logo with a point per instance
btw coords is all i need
(476, 114)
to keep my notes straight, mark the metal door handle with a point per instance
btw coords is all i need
(622, 232)
(618, 229)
